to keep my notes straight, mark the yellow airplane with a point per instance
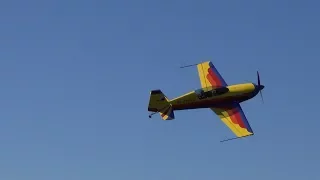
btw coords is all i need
(224, 100)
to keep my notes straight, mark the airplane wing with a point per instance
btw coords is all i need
(209, 75)
(235, 119)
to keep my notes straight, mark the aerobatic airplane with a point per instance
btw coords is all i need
(215, 94)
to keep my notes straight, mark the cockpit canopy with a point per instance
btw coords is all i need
(202, 94)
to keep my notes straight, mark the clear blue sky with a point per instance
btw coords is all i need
(75, 79)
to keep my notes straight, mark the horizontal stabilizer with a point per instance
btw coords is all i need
(167, 113)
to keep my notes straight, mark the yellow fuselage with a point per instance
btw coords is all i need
(233, 93)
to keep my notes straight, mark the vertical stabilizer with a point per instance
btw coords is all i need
(160, 103)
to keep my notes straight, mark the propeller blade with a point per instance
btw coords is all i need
(261, 96)
(258, 78)
(259, 84)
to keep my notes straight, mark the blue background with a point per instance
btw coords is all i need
(75, 79)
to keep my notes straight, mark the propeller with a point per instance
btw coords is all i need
(260, 86)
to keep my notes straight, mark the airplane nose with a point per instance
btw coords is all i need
(259, 87)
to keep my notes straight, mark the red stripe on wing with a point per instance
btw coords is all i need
(235, 117)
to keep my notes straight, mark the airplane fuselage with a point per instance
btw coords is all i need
(215, 97)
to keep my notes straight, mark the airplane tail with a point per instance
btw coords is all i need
(159, 103)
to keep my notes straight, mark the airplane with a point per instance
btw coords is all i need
(215, 94)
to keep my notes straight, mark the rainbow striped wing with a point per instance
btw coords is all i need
(209, 75)
(235, 119)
